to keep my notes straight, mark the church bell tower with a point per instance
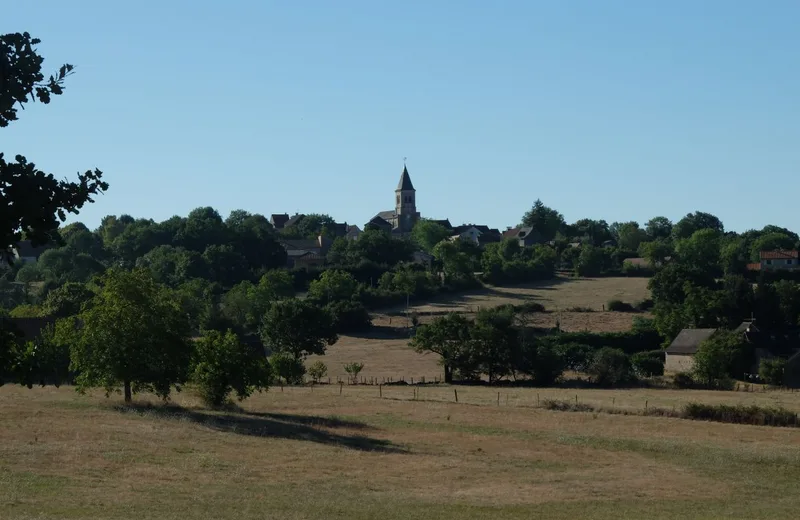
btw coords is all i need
(405, 202)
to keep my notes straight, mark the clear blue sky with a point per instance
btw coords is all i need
(611, 109)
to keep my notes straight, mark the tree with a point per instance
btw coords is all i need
(30, 199)
(46, 359)
(656, 252)
(773, 371)
(288, 367)
(719, 358)
(427, 233)
(701, 251)
(658, 228)
(298, 328)
(457, 263)
(593, 232)
(202, 228)
(223, 364)
(771, 242)
(317, 371)
(494, 341)
(448, 337)
(254, 238)
(332, 286)
(173, 265)
(353, 369)
(693, 222)
(592, 261)
(629, 235)
(648, 364)
(134, 334)
(67, 300)
(546, 221)
(226, 266)
(610, 367)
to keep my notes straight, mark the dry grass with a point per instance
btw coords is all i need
(312, 454)
(385, 358)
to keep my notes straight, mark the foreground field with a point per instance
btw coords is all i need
(302, 454)
(385, 358)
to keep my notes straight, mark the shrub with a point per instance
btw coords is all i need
(683, 380)
(541, 362)
(287, 367)
(223, 364)
(580, 308)
(349, 316)
(610, 367)
(648, 364)
(720, 357)
(353, 369)
(317, 371)
(575, 356)
(644, 305)
(756, 415)
(566, 406)
(619, 306)
(530, 307)
(772, 371)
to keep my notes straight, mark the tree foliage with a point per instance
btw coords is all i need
(31, 200)
(298, 328)
(133, 335)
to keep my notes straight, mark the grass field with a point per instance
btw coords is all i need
(384, 357)
(301, 454)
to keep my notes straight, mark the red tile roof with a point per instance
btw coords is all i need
(754, 267)
(778, 255)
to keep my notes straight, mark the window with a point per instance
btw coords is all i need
(769, 262)
(788, 262)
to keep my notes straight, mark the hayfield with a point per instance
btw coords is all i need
(386, 357)
(305, 453)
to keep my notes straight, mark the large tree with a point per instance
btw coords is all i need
(696, 221)
(546, 221)
(298, 328)
(32, 201)
(134, 334)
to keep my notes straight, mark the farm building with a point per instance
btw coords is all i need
(680, 353)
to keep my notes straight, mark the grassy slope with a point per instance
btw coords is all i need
(298, 454)
(384, 358)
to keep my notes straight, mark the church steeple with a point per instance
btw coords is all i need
(405, 202)
(405, 181)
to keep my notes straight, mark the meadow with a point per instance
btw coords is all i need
(315, 453)
(389, 357)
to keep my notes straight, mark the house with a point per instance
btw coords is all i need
(444, 223)
(353, 232)
(422, 258)
(478, 234)
(25, 251)
(679, 356)
(527, 236)
(278, 220)
(778, 260)
(306, 252)
(293, 220)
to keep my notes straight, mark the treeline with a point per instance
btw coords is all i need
(498, 344)
(131, 334)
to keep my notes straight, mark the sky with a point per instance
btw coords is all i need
(620, 110)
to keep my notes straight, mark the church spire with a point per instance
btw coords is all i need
(405, 181)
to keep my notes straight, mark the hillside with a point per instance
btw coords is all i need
(385, 357)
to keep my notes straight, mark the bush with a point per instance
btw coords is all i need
(580, 308)
(772, 371)
(349, 316)
(287, 367)
(644, 305)
(317, 371)
(566, 406)
(530, 307)
(575, 356)
(756, 415)
(353, 369)
(648, 364)
(619, 306)
(683, 380)
(223, 364)
(610, 367)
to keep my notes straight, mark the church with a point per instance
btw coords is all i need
(402, 218)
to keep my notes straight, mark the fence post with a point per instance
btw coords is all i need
(380, 391)
(537, 398)
(498, 398)
(455, 392)
(576, 398)
(613, 401)
(645, 404)
(341, 385)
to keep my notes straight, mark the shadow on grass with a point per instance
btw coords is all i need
(282, 426)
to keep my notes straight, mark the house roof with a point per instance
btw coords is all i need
(405, 181)
(293, 220)
(688, 340)
(300, 244)
(778, 255)
(379, 221)
(353, 230)
(511, 232)
(279, 220)
(387, 215)
(25, 248)
(340, 229)
(754, 267)
(444, 223)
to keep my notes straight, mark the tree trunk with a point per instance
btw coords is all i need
(448, 374)
(128, 397)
